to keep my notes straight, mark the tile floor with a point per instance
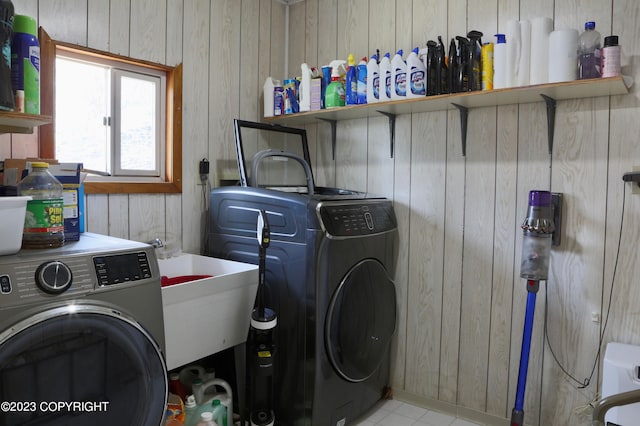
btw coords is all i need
(397, 413)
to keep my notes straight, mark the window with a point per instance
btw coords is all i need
(118, 116)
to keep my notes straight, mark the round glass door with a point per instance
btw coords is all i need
(361, 321)
(81, 365)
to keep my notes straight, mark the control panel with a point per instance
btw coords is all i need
(347, 220)
(34, 279)
(122, 268)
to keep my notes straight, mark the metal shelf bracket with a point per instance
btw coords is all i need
(464, 116)
(392, 130)
(333, 135)
(551, 120)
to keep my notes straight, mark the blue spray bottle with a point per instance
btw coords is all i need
(351, 82)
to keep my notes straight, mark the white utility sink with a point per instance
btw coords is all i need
(208, 315)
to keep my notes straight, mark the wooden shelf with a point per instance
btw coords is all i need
(18, 122)
(549, 93)
(515, 95)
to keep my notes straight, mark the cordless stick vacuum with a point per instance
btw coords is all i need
(538, 228)
(260, 343)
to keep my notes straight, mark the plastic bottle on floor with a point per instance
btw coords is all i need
(206, 419)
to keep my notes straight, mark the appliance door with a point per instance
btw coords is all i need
(361, 321)
(81, 365)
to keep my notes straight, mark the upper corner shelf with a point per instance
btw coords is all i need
(19, 122)
(513, 95)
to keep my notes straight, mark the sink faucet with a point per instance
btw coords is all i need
(611, 401)
(156, 243)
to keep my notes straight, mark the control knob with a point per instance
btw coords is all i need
(53, 277)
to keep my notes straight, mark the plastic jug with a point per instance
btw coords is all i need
(385, 78)
(189, 373)
(205, 393)
(373, 80)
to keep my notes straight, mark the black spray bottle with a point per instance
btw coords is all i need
(475, 60)
(462, 76)
(442, 85)
(452, 67)
(432, 80)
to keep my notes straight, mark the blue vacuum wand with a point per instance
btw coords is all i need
(538, 228)
(261, 346)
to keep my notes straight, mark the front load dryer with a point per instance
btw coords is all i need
(329, 276)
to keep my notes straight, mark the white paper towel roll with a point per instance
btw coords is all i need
(513, 51)
(563, 55)
(522, 73)
(539, 64)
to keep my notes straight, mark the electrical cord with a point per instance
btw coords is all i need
(205, 212)
(585, 383)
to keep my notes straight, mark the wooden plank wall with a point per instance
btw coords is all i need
(460, 298)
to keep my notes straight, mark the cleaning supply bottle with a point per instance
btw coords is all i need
(442, 77)
(206, 419)
(361, 72)
(324, 83)
(7, 98)
(432, 71)
(385, 78)
(475, 60)
(305, 88)
(398, 76)
(373, 80)
(190, 411)
(500, 62)
(462, 75)
(351, 82)
(589, 52)
(610, 57)
(487, 66)
(452, 67)
(334, 95)
(25, 64)
(416, 75)
(219, 413)
(44, 222)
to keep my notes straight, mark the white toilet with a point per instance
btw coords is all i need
(621, 373)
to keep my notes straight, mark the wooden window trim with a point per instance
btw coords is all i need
(46, 133)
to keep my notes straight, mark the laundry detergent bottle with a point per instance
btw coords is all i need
(416, 72)
(334, 95)
(373, 80)
(398, 77)
(385, 78)
(361, 71)
(351, 82)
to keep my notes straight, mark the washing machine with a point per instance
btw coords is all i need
(82, 335)
(329, 276)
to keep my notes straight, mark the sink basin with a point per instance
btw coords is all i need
(208, 315)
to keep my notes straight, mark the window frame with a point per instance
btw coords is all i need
(173, 118)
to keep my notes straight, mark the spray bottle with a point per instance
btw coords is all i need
(475, 60)
(385, 78)
(334, 95)
(452, 70)
(361, 72)
(431, 68)
(398, 77)
(416, 76)
(373, 80)
(351, 85)
(442, 80)
(462, 74)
